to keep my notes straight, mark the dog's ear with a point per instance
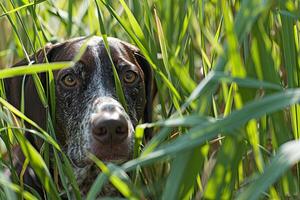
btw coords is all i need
(148, 76)
(150, 90)
(41, 56)
(33, 106)
(150, 85)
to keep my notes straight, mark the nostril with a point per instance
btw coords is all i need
(120, 130)
(101, 131)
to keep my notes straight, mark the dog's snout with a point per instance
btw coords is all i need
(109, 127)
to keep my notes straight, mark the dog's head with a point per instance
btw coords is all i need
(89, 117)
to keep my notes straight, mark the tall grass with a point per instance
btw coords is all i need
(226, 114)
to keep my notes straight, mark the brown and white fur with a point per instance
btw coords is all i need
(89, 117)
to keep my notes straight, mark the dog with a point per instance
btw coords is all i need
(89, 117)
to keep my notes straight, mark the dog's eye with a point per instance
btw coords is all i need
(69, 80)
(130, 76)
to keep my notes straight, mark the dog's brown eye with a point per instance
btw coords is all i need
(69, 80)
(130, 76)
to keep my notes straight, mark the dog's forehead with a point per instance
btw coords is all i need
(95, 50)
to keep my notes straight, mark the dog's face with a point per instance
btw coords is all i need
(89, 117)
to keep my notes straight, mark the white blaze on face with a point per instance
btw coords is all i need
(97, 97)
(79, 144)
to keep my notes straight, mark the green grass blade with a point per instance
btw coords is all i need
(22, 7)
(119, 88)
(222, 180)
(163, 45)
(286, 157)
(37, 68)
(38, 165)
(184, 170)
(198, 135)
(142, 48)
(133, 22)
(22, 116)
(16, 188)
(97, 186)
(114, 178)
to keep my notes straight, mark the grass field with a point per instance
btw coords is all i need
(226, 115)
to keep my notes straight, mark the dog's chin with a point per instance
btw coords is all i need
(86, 170)
(86, 163)
(86, 176)
(117, 154)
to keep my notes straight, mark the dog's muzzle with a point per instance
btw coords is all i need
(109, 124)
(111, 130)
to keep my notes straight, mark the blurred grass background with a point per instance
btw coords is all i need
(226, 115)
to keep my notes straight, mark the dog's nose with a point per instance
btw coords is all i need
(109, 127)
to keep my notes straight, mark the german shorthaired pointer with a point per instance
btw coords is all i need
(89, 117)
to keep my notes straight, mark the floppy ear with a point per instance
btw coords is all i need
(150, 85)
(150, 91)
(13, 85)
(33, 106)
(33, 109)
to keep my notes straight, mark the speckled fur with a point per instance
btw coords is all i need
(76, 107)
